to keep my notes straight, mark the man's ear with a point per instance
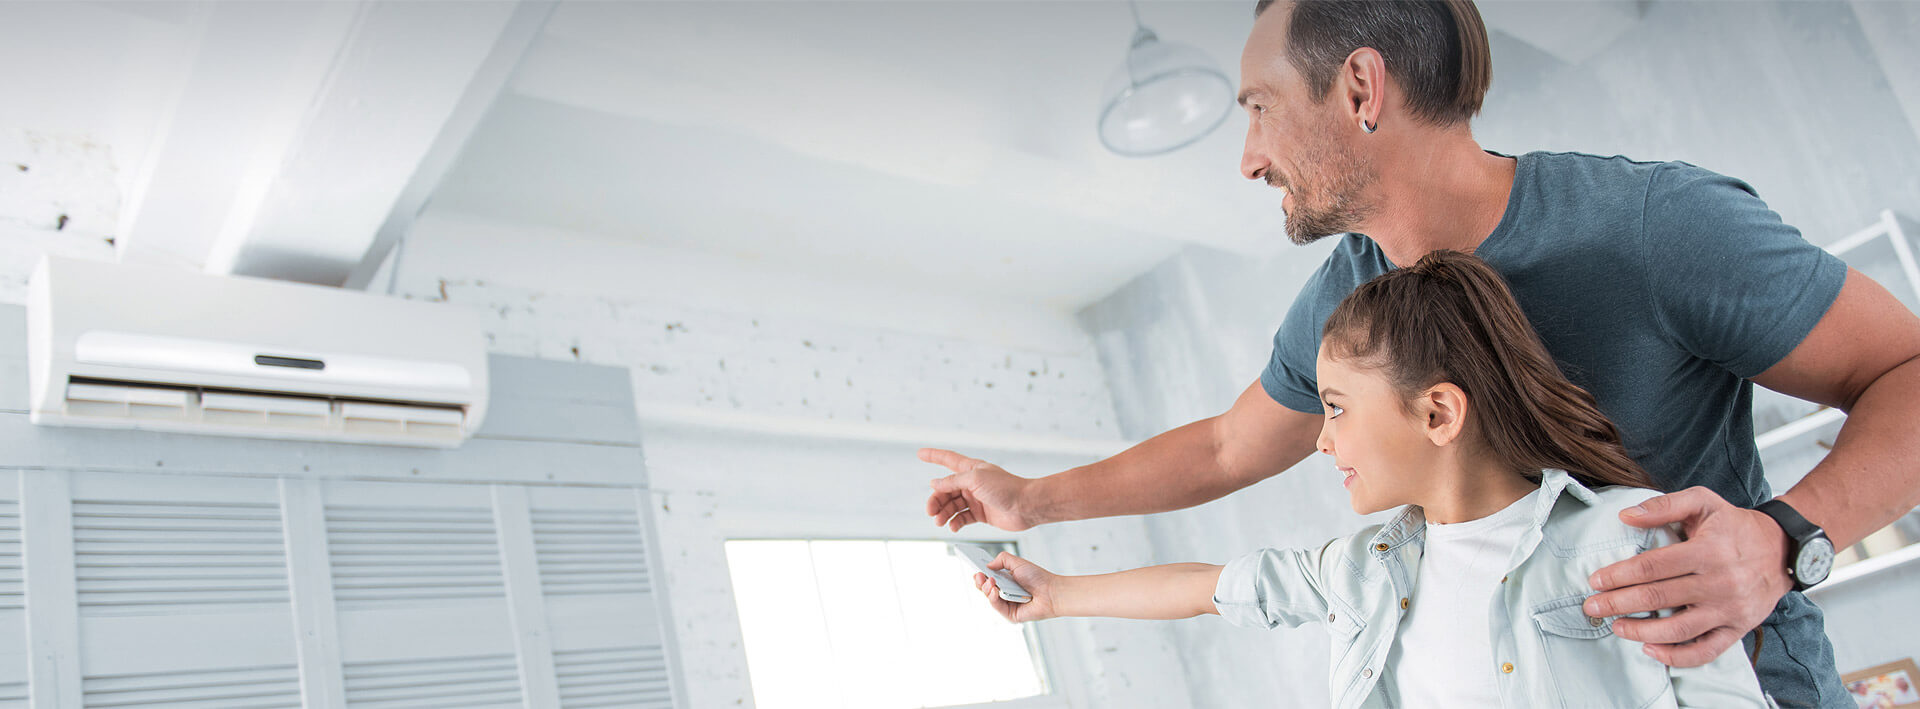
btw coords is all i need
(1362, 86)
(1445, 408)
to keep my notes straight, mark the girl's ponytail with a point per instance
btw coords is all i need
(1450, 318)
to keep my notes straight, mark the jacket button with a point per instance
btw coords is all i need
(1503, 579)
(1506, 667)
(1403, 604)
(1329, 617)
(1366, 673)
(1595, 622)
(1380, 547)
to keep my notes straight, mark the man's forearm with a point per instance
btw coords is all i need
(1167, 592)
(1872, 475)
(1174, 470)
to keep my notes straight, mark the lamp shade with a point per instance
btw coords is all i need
(1166, 96)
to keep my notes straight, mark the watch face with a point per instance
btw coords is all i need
(1816, 559)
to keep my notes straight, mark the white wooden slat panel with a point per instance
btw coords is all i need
(454, 681)
(633, 676)
(182, 584)
(147, 544)
(425, 622)
(53, 613)
(13, 657)
(144, 554)
(263, 687)
(13, 590)
(595, 564)
(13, 615)
(585, 551)
(412, 543)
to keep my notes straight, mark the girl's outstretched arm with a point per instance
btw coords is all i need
(1153, 593)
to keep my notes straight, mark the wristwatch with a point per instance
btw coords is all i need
(1809, 551)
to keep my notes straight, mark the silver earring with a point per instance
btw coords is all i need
(1368, 129)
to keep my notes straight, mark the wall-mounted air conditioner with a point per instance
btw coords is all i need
(129, 346)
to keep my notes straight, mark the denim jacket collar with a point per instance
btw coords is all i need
(1410, 525)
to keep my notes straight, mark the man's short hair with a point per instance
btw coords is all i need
(1436, 50)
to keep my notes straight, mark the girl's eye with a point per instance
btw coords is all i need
(1334, 411)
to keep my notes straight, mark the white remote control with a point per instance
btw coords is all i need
(980, 557)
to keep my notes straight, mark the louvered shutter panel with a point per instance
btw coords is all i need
(13, 597)
(181, 588)
(595, 570)
(421, 598)
(397, 596)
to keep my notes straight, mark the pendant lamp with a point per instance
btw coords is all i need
(1165, 97)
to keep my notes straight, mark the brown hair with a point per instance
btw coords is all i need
(1436, 50)
(1450, 318)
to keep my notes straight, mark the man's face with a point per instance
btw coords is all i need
(1297, 144)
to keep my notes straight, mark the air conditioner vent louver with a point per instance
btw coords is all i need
(251, 410)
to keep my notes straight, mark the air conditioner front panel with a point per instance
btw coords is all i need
(234, 359)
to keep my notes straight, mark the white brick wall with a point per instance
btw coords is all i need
(712, 352)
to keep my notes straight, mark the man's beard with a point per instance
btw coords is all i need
(1341, 189)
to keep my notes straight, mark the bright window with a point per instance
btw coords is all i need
(832, 624)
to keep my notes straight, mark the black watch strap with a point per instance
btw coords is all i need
(1800, 533)
(1796, 526)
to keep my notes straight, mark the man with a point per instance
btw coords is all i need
(1664, 289)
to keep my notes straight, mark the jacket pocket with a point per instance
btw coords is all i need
(1590, 667)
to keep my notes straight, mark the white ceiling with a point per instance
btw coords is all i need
(944, 145)
(937, 146)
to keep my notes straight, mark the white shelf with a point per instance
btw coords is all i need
(1797, 427)
(1867, 567)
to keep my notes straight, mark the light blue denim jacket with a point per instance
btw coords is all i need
(1547, 652)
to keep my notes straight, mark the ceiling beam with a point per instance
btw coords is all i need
(489, 79)
(254, 66)
(308, 135)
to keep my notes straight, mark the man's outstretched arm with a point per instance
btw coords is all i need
(1202, 461)
(1864, 358)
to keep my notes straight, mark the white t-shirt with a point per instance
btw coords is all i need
(1444, 656)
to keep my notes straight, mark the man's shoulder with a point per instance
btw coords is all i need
(1616, 167)
(1356, 259)
(1634, 182)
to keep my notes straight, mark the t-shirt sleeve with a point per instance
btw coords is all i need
(1727, 279)
(1289, 376)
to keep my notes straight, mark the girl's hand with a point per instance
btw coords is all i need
(1037, 581)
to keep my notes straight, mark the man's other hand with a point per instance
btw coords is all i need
(1722, 580)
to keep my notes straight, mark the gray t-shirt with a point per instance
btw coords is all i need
(1658, 287)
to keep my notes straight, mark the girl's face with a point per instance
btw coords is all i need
(1384, 451)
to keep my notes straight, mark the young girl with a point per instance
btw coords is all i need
(1439, 396)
